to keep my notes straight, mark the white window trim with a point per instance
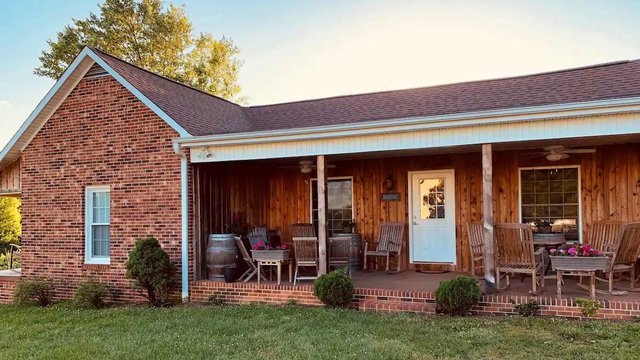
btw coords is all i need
(553, 167)
(88, 218)
(330, 178)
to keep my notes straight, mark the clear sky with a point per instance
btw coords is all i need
(308, 49)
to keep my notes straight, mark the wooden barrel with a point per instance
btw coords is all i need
(355, 250)
(221, 252)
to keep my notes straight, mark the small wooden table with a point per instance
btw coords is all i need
(278, 264)
(588, 273)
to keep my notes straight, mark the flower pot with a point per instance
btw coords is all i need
(270, 255)
(229, 274)
(580, 263)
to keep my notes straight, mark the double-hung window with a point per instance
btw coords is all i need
(339, 204)
(97, 224)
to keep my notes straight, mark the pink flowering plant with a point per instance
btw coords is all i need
(575, 251)
(265, 246)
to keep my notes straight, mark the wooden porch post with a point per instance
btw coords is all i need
(322, 213)
(487, 212)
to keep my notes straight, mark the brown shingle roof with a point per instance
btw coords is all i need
(202, 114)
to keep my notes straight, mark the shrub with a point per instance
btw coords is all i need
(334, 289)
(215, 300)
(457, 296)
(91, 294)
(38, 290)
(588, 307)
(527, 309)
(151, 270)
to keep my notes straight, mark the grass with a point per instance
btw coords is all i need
(292, 332)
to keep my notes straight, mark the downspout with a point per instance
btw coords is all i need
(184, 197)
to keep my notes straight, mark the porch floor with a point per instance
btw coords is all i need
(412, 280)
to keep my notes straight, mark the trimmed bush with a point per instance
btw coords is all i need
(152, 271)
(527, 309)
(91, 294)
(457, 296)
(334, 289)
(36, 290)
(589, 307)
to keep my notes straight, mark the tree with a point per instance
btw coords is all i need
(9, 221)
(154, 37)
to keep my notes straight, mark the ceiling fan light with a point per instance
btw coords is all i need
(305, 169)
(555, 156)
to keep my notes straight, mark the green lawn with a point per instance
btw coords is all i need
(247, 332)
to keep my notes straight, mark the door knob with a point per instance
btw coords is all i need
(415, 223)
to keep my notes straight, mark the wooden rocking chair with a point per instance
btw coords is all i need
(628, 253)
(606, 236)
(515, 255)
(476, 246)
(389, 243)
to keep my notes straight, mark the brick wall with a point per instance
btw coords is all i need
(7, 285)
(382, 300)
(100, 135)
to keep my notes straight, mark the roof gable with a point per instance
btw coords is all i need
(59, 92)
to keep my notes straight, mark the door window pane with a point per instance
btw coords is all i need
(432, 193)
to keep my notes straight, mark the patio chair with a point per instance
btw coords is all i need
(516, 255)
(476, 245)
(253, 268)
(306, 255)
(627, 254)
(389, 243)
(303, 230)
(339, 249)
(606, 236)
(260, 230)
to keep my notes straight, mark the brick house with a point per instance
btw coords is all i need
(114, 152)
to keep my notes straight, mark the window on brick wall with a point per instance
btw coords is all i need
(97, 224)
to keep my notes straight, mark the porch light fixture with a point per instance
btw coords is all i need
(389, 183)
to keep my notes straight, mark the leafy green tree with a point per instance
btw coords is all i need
(9, 221)
(153, 36)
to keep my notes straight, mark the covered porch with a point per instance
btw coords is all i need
(372, 188)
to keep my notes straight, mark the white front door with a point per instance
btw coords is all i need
(432, 226)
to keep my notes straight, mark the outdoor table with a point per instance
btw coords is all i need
(278, 264)
(568, 272)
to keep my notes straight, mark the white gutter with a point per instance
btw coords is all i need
(184, 198)
(534, 113)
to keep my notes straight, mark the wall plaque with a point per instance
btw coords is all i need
(390, 196)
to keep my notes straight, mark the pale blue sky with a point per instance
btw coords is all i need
(307, 49)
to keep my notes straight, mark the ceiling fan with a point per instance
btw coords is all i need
(305, 166)
(559, 152)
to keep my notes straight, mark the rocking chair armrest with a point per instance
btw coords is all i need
(540, 251)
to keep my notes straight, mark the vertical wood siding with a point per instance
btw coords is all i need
(10, 179)
(267, 194)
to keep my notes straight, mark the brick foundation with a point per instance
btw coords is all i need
(7, 286)
(382, 300)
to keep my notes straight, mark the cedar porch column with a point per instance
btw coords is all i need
(487, 212)
(322, 213)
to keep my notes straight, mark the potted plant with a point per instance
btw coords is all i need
(263, 252)
(543, 226)
(580, 258)
(348, 226)
(238, 225)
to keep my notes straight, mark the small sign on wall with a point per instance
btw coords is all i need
(390, 196)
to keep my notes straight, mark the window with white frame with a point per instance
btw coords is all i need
(97, 224)
(339, 204)
(551, 197)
